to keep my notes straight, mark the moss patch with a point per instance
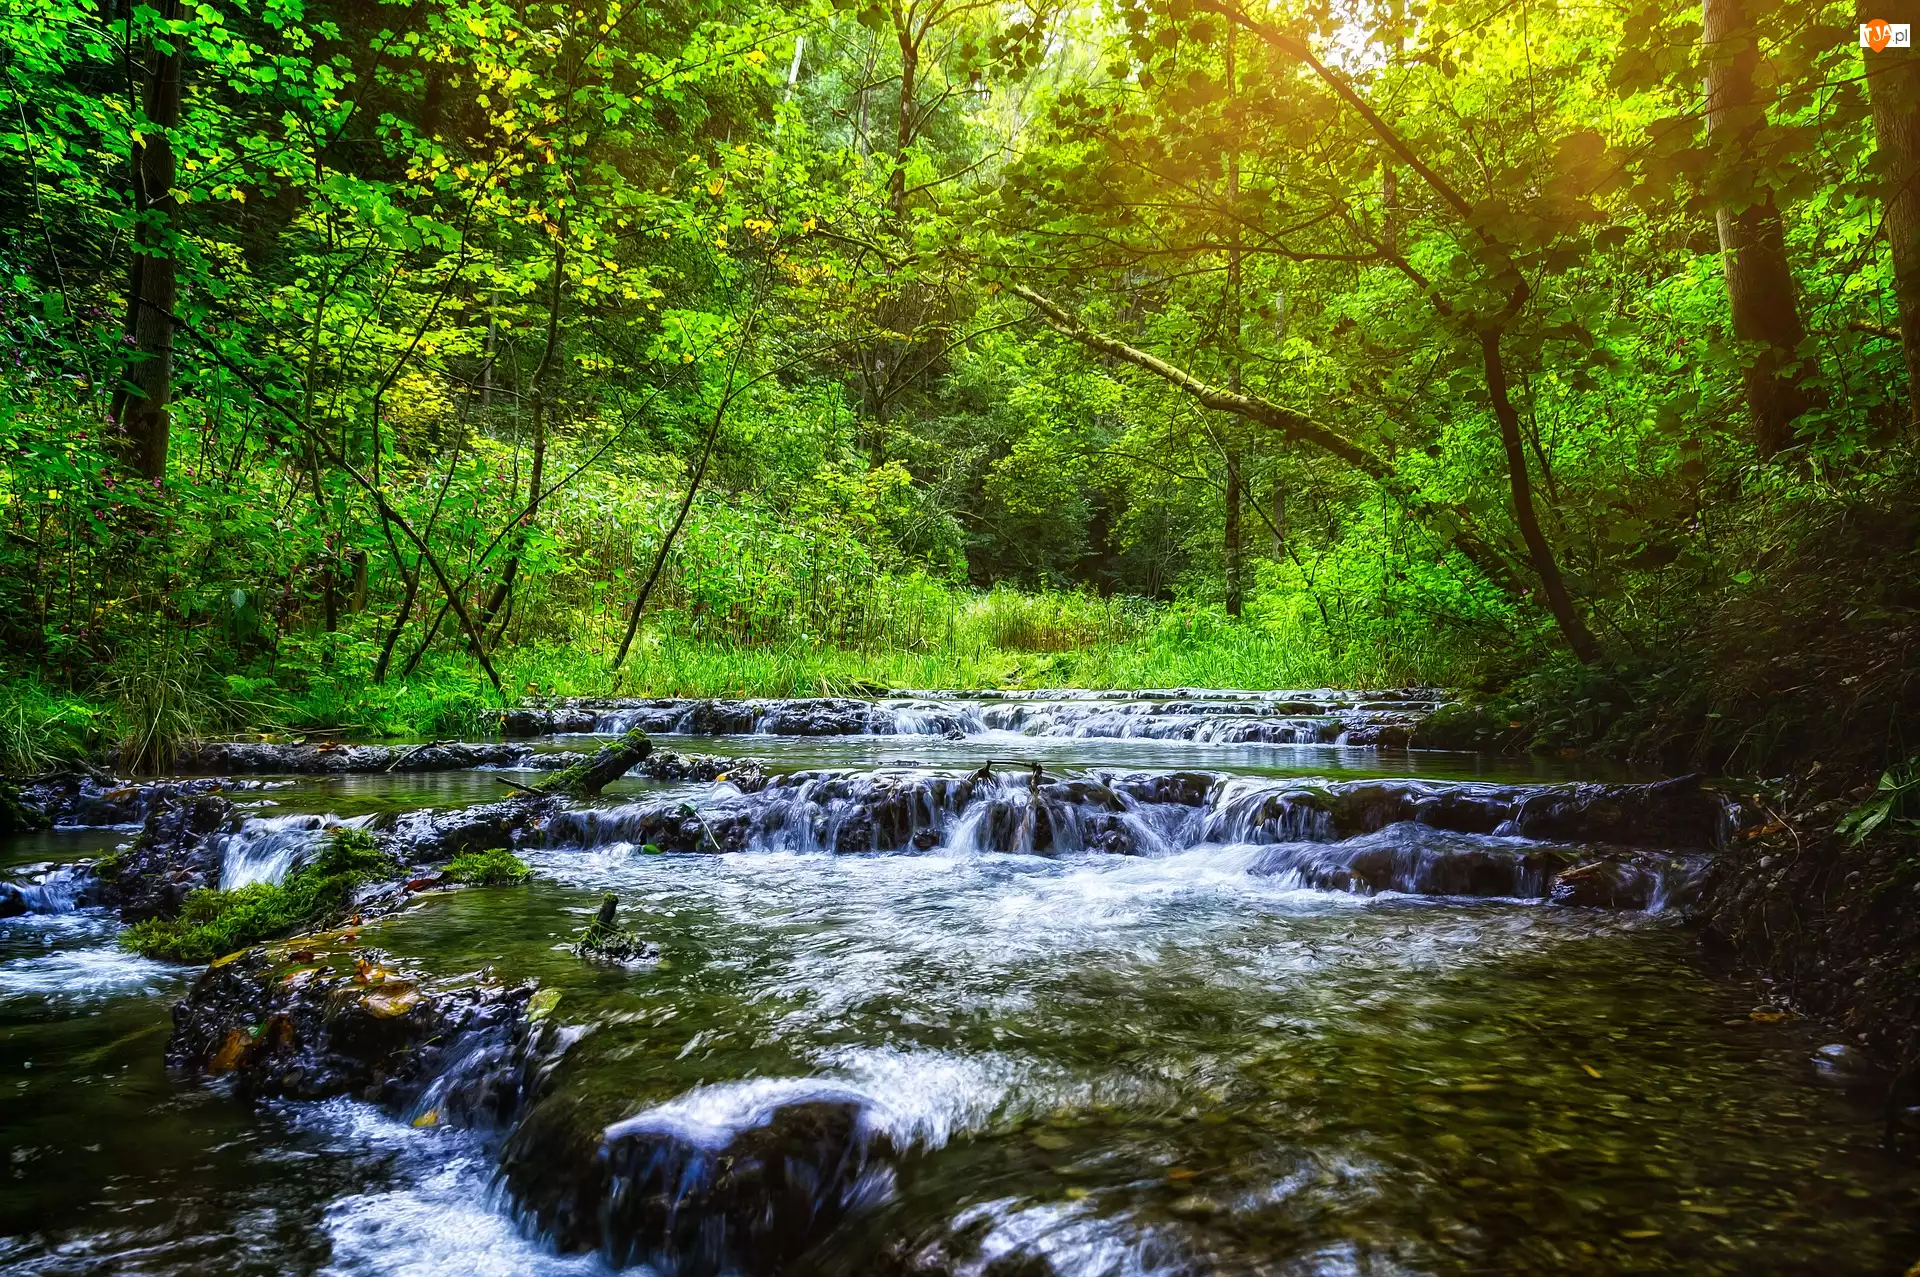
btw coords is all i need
(495, 868)
(212, 923)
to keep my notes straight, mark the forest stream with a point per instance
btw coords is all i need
(1183, 983)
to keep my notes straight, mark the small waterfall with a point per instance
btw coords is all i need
(1417, 860)
(60, 890)
(1276, 718)
(1366, 836)
(266, 848)
(1253, 811)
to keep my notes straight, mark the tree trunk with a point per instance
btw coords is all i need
(1559, 602)
(1893, 82)
(140, 403)
(1752, 246)
(1445, 522)
(543, 390)
(608, 764)
(903, 133)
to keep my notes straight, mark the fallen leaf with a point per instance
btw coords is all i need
(228, 1056)
(429, 1118)
(392, 1001)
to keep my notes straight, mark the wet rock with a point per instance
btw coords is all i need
(293, 1025)
(1671, 813)
(92, 799)
(19, 815)
(547, 720)
(1465, 811)
(426, 837)
(820, 717)
(1378, 730)
(1186, 789)
(699, 1198)
(175, 854)
(330, 758)
(1604, 884)
(746, 774)
(1415, 859)
(1841, 1065)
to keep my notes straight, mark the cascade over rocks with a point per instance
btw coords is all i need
(1380, 719)
(695, 1198)
(52, 889)
(174, 855)
(1427, 837)
(291, 1024)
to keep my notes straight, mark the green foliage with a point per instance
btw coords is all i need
(315, 894)
(41, 728)
(1894, 804)
(472, 297)
(496, 868)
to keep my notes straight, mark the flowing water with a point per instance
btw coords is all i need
(1195, 1058)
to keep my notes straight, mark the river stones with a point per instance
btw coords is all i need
(306, 1026)
(86, 799)
(1669, 813)
(329, 758)
(174, 855)
(422, 837)
(1629, 880)
(1418, 860)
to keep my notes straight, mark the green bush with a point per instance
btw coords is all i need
(212, 923)
(495, 868)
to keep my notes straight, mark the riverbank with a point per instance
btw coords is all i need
(1216, 981)
(136, 717)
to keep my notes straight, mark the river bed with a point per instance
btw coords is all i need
(1185, 1060)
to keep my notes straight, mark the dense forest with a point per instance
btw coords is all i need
(951, 638)
(368, 365)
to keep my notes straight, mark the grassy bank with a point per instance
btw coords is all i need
(137, 709)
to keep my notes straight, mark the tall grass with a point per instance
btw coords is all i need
(42, 728)
(922, 635)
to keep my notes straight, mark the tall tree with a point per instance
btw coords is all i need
(1893, 82)
(140, 402)
(1753, 249)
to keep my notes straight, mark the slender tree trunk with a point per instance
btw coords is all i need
(1235, 550)
(903, 128)
(1779, 383)
(140, 404)
(686, 502)
(1893, 82)
(543, 390)
(1559, 602)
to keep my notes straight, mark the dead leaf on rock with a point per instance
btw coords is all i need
(391, 1001)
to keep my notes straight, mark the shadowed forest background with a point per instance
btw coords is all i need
(366, 365)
